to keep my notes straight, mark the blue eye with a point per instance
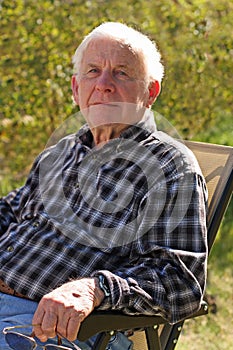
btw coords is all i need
(121, 74)
(93, 70)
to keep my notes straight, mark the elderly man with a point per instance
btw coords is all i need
(111, 217)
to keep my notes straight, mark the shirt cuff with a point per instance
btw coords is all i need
(118, 288)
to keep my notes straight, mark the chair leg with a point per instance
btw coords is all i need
(170, 335)
(152, 337)
(102, 340)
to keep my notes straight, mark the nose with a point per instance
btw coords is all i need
(105, 82)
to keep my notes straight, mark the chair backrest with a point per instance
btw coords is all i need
(216, 162)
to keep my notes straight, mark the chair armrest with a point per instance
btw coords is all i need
(107, 321)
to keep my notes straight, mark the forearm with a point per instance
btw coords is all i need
(167, 286)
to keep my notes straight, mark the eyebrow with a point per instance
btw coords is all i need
(90, 64)
(122, 66)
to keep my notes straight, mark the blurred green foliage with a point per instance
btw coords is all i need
(39, 37)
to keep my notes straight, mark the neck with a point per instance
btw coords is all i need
(102, 134)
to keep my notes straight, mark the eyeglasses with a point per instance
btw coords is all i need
(20, 341)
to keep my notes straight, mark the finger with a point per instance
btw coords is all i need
(73, 327)
(62, 324)
(37, 322)
(49, 324)
(45, 321)
(38, 315)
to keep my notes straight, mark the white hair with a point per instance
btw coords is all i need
(137, 41)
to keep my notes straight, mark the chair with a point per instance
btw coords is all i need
(155, 333)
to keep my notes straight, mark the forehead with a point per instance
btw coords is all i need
(107, 49)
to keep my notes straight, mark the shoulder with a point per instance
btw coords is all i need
(173, 153)
(63, 144)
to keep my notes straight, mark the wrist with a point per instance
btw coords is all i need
(103, 284)
(98, 294)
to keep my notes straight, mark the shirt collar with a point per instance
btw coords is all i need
(138, 131)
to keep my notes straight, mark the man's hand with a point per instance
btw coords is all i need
(62, 310)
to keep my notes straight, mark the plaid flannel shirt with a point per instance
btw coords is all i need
(133, 210)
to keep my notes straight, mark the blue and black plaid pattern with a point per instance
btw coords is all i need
(133, 210)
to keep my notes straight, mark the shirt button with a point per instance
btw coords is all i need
(10, 248)
(28, 216)
(36, 224)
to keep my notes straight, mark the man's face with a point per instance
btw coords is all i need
(111, 76)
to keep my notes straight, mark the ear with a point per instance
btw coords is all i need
(154, 90)
(74, 86)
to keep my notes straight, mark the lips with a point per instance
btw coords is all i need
(101, 103)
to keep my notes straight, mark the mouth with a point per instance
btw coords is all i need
(103, 104)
